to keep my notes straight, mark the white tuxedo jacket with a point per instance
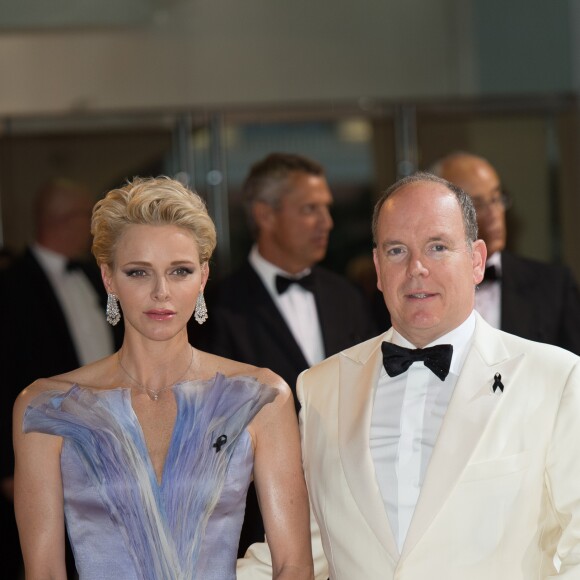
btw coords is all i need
(501, 495)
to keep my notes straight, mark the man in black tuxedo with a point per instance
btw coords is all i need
(53, 321)
(525, 297)
(281, 310)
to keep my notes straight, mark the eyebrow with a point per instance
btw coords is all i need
(439, 238)
(145, 263)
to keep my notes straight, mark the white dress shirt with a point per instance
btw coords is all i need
(407, 414)
(488, 295)
(297, 306)
(79, 301)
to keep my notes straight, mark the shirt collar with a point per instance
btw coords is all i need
(268, 271)
(459, 337)
(494, 260)
(49, 260)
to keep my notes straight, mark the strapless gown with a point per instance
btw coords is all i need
(122, 524)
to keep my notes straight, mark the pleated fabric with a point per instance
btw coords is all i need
(120, 521)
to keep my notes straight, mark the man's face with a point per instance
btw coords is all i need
(75, 226)
(425, 267)
(480, 180)
(294, 235)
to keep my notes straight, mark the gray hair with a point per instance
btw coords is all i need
(267, 180)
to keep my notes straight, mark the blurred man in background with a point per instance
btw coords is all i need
(281, 310)
(524, 297)
(53, 320)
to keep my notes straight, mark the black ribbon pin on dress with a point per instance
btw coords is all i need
(220, 442)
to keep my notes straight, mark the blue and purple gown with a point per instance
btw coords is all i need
(121, 523)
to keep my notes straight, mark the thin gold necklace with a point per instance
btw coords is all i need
(152, 393)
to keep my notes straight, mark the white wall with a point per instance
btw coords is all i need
(209, 53)
(214, 53)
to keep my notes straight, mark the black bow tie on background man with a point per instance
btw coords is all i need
(397, 359)
(283, 282)
(491, 274)
(74, 265)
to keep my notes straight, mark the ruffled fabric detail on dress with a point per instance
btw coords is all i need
(163, 525)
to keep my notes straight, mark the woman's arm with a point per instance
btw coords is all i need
(281, 489)
(38, 498)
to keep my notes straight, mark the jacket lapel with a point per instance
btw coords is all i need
(471, 406)
(269, 317)
(359, 372)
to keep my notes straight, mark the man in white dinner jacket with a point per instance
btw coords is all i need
(458, 463)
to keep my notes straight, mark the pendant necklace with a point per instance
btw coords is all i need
(152, 393)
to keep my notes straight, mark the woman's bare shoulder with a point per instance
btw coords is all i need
(90, 376)
(37, 388)
(232, 368)
(268, 377)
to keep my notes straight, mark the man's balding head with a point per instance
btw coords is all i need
(476, 176)
(62, 214)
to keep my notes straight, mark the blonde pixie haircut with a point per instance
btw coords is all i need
(150, 201)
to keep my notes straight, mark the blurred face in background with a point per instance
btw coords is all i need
(294, 235)
(480, 180)
(77, 226)
(63, 220)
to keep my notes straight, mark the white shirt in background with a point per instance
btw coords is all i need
(80, 304)
(297, 306)
(488, 295)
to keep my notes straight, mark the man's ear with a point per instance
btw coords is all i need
(377, 269)
(263, 214)
(479, 256)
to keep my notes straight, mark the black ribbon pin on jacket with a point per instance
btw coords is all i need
(497, 384)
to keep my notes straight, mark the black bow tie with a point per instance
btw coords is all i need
(491, 274)
(74, 266)
(283, 283)
(397, 359)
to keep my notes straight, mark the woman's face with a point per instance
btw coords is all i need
(157, 277)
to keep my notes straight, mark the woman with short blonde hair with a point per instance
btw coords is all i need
(147, 454)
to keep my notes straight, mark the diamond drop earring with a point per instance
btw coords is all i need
(200, 313)
(112, 311)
